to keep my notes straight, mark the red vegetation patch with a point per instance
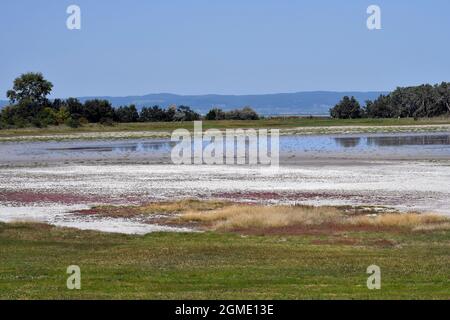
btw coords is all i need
(111, 212)
(87, 212)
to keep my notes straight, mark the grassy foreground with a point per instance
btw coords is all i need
(281, 123)
(211, 265)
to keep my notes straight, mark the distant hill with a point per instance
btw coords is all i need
(299, 103)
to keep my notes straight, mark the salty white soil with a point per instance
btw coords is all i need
(415, 185)
(61, 215)
(49, 181)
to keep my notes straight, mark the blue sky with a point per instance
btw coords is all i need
(227, 47)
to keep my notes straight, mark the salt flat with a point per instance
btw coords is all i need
(50, 193)
(48, 181)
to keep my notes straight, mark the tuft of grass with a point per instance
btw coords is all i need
(433, 227)
(244, 216)
(237, 217)
(408, 220)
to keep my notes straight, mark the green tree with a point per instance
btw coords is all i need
(215, 114)
(347, 108)
(75, 108)
(246, 113)
(98, 111)
(170, 113)
(419, 101)
(126, 114)
(185, 113)
(30, 88)
(424, 100)
(154, 113)
(443, 96)
(380, 108)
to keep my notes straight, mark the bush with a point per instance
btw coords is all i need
(347, 108)
(98, 111)
(215, 114)
(246, 113)
(107, 121)
(126, 114)
(38, 123)
(184, 113)
(153, 114)
(72, 123)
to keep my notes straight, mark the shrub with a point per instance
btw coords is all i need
(72, 123)
(215, 114)
(347, 108)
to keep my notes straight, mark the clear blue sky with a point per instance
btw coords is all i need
(230, 47)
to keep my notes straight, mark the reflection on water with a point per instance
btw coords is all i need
(429, 144)
(129, 147)
(393, 140)
(347, 142)
(419, 140)
(145, 147)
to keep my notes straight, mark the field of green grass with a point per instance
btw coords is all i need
(211, 265)
(282, 123)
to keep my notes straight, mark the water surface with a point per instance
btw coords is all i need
(420, 145)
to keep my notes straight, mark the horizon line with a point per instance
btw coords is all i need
(223, 94)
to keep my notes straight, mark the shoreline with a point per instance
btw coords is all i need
(155, 134)
(131, 150)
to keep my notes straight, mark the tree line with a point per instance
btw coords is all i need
(404, 102)
(29, 106)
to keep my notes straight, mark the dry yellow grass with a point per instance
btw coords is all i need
(242, 216)
(220, 215)
(262, 217)
(433, 227)
(407, 220)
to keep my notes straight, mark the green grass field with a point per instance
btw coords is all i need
(265, 123)
(210, 265)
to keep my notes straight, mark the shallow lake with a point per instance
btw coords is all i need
(429, 146)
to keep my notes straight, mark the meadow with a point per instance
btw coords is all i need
(276, 123)
(232, 260)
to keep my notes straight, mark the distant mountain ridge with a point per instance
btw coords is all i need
(298, 103)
